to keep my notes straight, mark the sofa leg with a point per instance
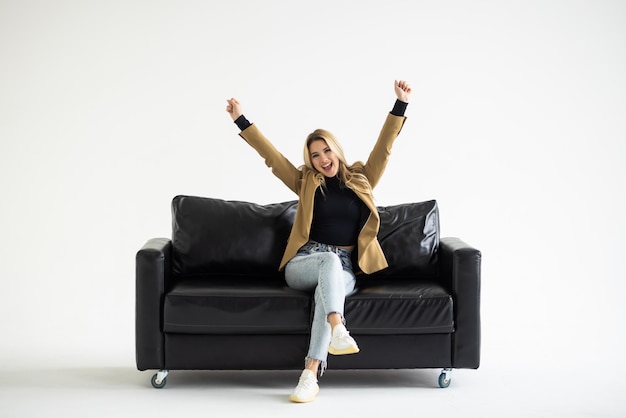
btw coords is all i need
(445, 378)
(159, 379)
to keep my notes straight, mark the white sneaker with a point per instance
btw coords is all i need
(341, 342)
(307, 388)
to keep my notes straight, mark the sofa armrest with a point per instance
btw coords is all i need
(152, 274)
(460, 269)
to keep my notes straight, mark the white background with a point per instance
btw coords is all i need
(516, 126)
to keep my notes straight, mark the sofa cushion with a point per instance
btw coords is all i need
(399, 306)
(409, 237)
(218, 237)
(247, 306)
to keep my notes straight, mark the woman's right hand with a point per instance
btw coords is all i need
(234, 108)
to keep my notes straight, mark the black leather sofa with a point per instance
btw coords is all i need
(211, 297)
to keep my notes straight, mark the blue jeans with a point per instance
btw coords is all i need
(326, 270)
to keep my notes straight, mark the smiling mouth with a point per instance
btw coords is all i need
(328, 167)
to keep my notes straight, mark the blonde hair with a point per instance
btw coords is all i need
(350, 175)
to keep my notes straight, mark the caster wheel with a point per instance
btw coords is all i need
(158, 385)
(444, 381)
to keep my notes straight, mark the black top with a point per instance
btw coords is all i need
(338, 214)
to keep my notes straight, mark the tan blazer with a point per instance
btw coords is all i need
(302, 182)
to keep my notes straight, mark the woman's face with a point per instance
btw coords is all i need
(323, 159)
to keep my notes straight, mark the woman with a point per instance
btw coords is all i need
(336, 215)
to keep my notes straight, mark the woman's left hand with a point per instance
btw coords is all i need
(403, 90)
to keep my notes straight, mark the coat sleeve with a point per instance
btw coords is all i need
(280, 165)
(377, 161)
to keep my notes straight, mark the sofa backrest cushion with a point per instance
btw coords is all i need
(218, 237)
(409, 237)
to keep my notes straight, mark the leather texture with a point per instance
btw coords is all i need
(211, 236)
(399, 306)
(153, 274)
(461, 269)
(244, 306)
(211, 297)
(409, 237)
(217, 237)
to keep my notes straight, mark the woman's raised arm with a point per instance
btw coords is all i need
(281, 166)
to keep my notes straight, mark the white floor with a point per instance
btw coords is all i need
(114, 388)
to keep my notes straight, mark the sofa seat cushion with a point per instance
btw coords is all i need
(399, 306)
(235, 306)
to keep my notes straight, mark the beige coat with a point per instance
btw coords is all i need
(302, 182)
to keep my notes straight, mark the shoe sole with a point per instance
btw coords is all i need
(349, 350)
(300, 400)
